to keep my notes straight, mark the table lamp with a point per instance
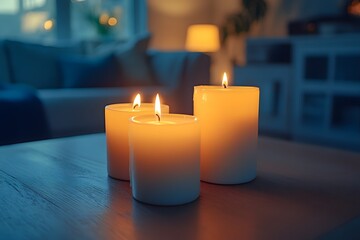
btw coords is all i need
(202, 38)
(205, 38)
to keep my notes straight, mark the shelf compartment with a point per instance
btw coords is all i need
(314, 109)
(347, 68)
(346, 113)
(316, 68)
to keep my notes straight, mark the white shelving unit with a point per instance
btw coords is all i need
(326, 90)
(315, 97)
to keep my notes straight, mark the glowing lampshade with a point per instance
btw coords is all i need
(202, 38)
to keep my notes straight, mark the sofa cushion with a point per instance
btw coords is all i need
(105, 47)
(74, 111)
(169, 67)
(22, 115)
(181, 71)
(90, 71)
(134, 62)
(4, 65)
(36, 64)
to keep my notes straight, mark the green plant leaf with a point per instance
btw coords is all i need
(240, 22)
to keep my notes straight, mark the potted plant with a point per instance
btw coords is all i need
(238, 24)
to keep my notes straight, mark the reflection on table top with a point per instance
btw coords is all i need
(59, 189)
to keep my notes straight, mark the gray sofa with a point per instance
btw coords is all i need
(79, 109)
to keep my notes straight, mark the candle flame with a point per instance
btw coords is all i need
(225, 81)
(137, 101)
(157, 107)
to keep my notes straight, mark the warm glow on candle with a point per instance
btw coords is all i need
(225, 81)
(164, 158)
(157, 107)
(228, 120)
(117, 138)
(137, 101)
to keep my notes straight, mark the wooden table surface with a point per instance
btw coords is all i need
(59, 189)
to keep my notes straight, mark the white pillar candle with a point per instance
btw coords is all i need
(116, 124)
(228, 118)
(164, 158)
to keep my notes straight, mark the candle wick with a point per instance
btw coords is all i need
(158, 117)
(224, 85)
(136, 105)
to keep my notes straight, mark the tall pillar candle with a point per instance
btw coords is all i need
(165, 158)
(228, 118)
(116, 124)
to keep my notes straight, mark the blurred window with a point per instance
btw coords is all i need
(101, 19)
(9, 6)
(31, 4)
(82, 19)
(27, 19)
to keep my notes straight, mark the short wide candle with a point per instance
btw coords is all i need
(228, 120)
(165, 159)
(116, 124)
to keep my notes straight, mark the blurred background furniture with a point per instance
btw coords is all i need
(326, 90)
(22, 117)
(274, 82)
(310, 87)
(269, 66)
(75, 81)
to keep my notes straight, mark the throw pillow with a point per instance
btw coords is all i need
(169, 67)
(36, 64)
(89, 71)
(134, 63)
